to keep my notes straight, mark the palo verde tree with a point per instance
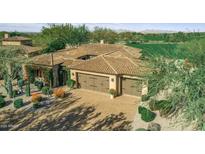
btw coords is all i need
(57, 36)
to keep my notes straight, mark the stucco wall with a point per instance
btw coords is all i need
(144, 88)
(112, 78)
(11, 42)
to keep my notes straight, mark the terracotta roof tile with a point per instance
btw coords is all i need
(97, 64)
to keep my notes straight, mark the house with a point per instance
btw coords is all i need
(16, 40)
(98, 67)
(20, 43)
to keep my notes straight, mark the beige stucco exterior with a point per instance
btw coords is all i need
(11, 42)
(17, 42)
(114, 80)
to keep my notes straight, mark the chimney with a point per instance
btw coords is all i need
(101, 41)
(6, 35)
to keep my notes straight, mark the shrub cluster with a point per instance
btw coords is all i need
(164, 106)
(59, 93)
(15, 93)
(70, 83)
(145, 98)
(113, 92)
(146, 115)
(2, 102)
(45, 90)
(18, 103)
(38, 84)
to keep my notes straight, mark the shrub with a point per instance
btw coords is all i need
(145, 98)
(141, 129)
(38, 84)
(165, 107)
(20, 84)
(45, 90)
(203, 127)
(157, 105)
(113, 92)
(18, 103)
(70, 83)
(50, 92)
(59, 93)
(36, 105)
(154, 127)
(15, 93)
(36, 98)
(146, 115)
(2, 102)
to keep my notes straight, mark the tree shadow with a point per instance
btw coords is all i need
(116, 122)
(62, 115)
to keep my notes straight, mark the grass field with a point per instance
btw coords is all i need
(156, 50)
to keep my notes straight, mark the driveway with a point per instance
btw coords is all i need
(80, 110)
(119, 111)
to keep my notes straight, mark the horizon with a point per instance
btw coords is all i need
(135, 27)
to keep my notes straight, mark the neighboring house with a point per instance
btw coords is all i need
(16, 40)
(21, 43)
(98, 67)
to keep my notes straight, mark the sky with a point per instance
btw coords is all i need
(138, 27)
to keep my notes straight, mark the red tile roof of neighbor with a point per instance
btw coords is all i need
(110, 59)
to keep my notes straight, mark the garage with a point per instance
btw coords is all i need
(131, 86)
(93, 82)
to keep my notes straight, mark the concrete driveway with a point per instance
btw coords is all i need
(118, 113)
(80, 110)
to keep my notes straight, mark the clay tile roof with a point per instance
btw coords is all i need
(97, 64)
(126, 66)
(16, 38)
(110, 59)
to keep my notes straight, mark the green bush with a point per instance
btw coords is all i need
(50, 92)
(165, 107)
(20, 83)
(18, 103)
(113, 92)
(157, 105)
(141, 129)
(15, 93)
(203, 127)
(70, 83)
(145, 98)
(38, 84)
(45, 90)
(2, 102)
(146, 115)
(36, 105)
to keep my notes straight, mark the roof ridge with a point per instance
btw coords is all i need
(109, 64)
(129, 57)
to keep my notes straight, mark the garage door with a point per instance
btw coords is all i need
(93, 82)
(131, 86)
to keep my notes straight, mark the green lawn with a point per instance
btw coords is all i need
(156, 50)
